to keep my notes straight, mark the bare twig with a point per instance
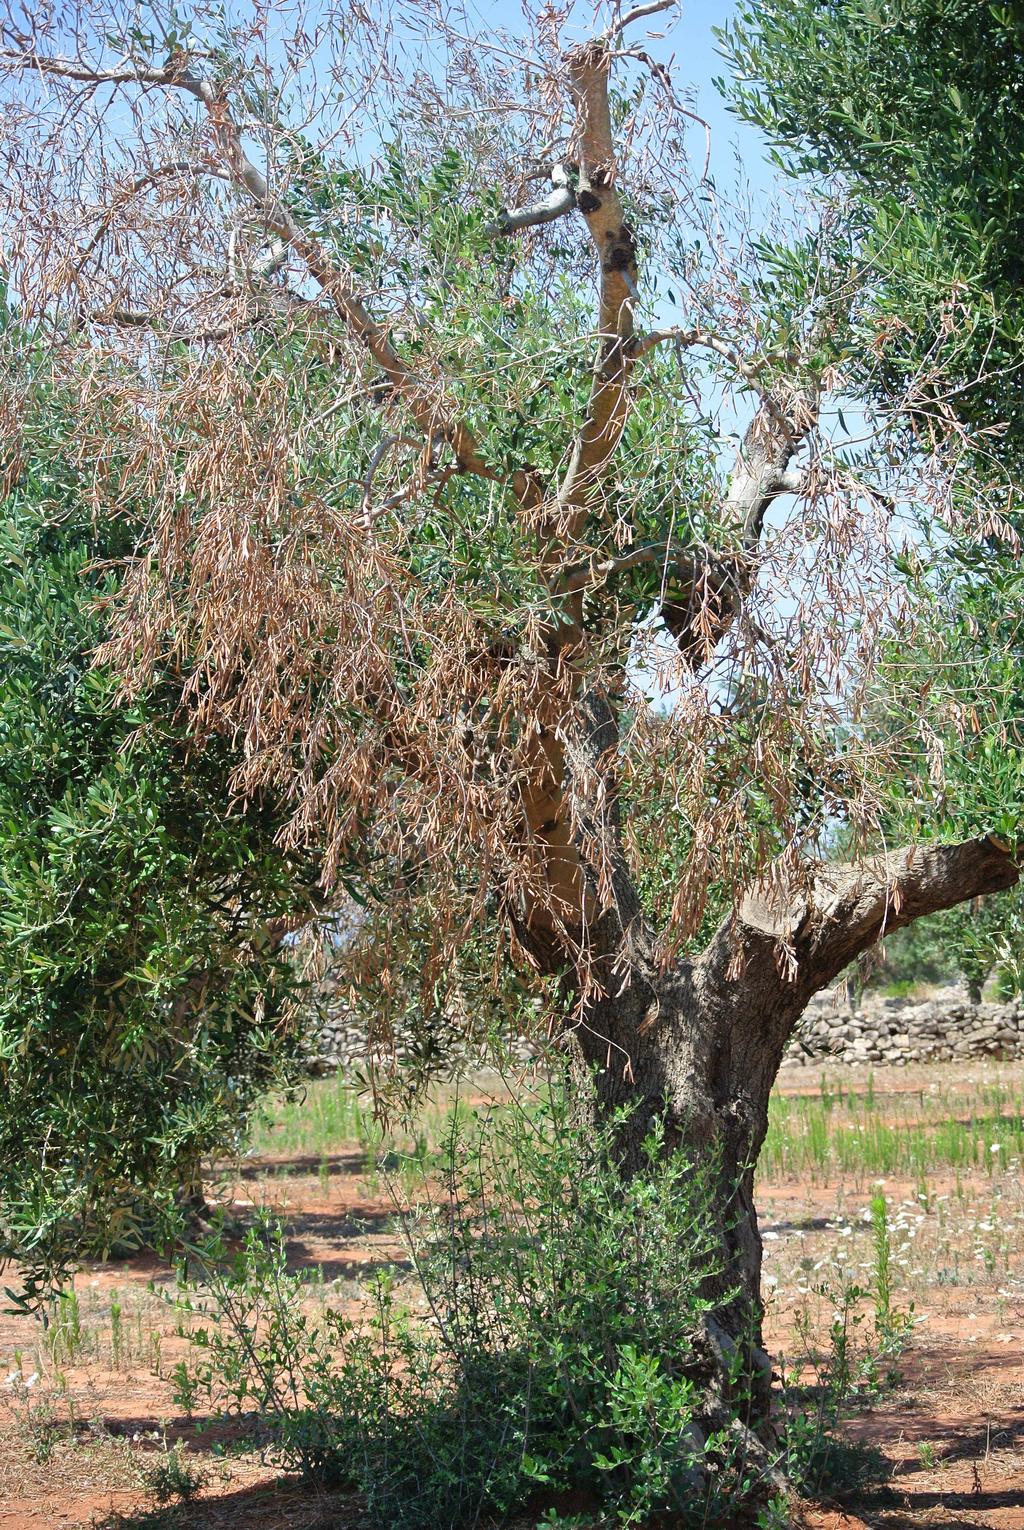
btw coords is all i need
(685, 560)
(638, 13)
(375, 461)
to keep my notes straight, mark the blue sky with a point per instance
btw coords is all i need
(692, 48)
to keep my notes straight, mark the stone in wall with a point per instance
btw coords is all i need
(893, 1031)
(896, 1031)
(338, 1043)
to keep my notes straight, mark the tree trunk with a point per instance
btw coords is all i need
(699, 1047)
(698, 1044)
(682, 1056)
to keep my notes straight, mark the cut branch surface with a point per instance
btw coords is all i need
(847, 908)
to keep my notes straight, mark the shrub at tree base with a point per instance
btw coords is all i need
(556, 1345)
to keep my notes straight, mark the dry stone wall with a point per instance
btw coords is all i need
(943, 1027)
(340, 1046)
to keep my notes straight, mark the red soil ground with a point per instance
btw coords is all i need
(951, 1432)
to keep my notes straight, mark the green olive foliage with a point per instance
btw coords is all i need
(144, 986)
(916, 108)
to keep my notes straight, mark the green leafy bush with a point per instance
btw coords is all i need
(172, 1478)
(553, 1343)
(143, 989)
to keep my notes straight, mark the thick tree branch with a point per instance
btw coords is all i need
(853, 906)
(144, 318)
(706, 586)
(791, 483)
(87, 74)
(786, 415)
(559, 201)
(569, 914)
(847, 908)
(781, 423)
(259, 306)
(598, 200)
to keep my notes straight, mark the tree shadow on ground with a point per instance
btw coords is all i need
(798, 1224)
(307, 1165)
(956, 1508)
(958, 1488)
(339, 1226)
(201, 1433)
(997, 1435)
(356, 1268)
(281, 1505)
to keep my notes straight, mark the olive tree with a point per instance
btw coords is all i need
(501, 513)
(911, 110)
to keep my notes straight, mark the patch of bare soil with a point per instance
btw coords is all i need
(81, 1431)
(952, 1430)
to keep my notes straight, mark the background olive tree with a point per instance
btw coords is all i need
(909, 114)
(146, 999)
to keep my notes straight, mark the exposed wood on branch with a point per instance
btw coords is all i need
(570, 907)
(559, 201)
(791, 483)
(598, 200)
(847, 908)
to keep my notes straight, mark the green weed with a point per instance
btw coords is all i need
(173, 1478)
(549, 1342)
(818, 1459)
(805, 1138)
(65, 1337)
(892, 1328)
(117, 1353)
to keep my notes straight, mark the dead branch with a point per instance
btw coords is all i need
(429, 408)
(622, 23)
